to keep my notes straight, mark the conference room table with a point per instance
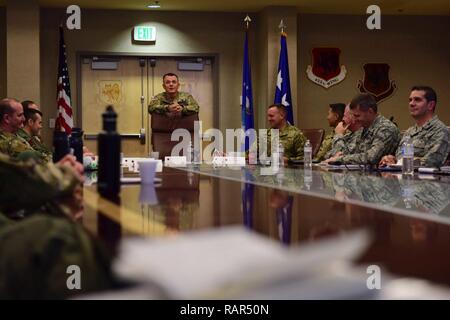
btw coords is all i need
(407, 217)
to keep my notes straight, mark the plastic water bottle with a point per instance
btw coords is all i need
(190, 155)
(280, 154)
(408, 156)
(307, 155)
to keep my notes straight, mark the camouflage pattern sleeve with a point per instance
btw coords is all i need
(190, 106)
(158, 105)
(41, 148)
(31, 185)
(437, 149)
(344, 143)
(384, 141)
(13, 145)
(325, 147)
(43, 153)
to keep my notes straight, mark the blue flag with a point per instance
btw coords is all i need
(283, 88)
(247, 96)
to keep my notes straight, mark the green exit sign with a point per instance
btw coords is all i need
(144, 33)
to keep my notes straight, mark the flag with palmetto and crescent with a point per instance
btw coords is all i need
(283, 86)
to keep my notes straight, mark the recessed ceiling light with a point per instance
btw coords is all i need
(154, 5)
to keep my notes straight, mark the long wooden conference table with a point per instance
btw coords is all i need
(407, 217)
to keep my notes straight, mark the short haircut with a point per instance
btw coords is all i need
(280, 108)
(339, 109)
(365, 101)
(31, 114)
(6, 108)
(170, 74)
(430, 94)
(26, 104)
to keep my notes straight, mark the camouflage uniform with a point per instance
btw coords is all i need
(13, 145)
(425, 196)
(160, 103)
(325, 147)
(431, 142)
(292, 140)
(368, 188)
(37, 145)
(380, 139)
(35, 252)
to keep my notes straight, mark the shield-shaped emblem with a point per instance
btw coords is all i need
(326, 70)
(110, 91)
(376, 81)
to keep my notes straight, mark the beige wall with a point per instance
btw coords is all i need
(416, 48)
(177, 32)
(2, 52)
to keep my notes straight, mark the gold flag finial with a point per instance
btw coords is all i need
(247, 21)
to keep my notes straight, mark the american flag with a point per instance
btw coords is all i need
(64, 121)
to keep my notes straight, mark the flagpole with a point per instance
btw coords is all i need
(282, 26)
(283, 87)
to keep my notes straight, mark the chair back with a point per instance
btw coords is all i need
(315, 136)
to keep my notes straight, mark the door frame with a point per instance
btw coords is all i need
(214, 68)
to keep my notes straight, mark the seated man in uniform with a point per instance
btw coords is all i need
(291, 138)
(335, 114)
(172, 102)
(36, 250)
(429, 135)
(11, 120)
(345, 134)
(31, 132)
(378, 138)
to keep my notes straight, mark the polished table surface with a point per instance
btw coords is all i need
(407, 217)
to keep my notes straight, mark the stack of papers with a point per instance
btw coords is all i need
(234, 263)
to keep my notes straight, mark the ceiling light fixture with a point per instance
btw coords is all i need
(155, 5)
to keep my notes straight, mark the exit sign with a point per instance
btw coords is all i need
(144, 33)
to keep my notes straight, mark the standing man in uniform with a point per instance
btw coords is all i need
(171, 102)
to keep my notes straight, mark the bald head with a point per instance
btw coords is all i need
(349, 120)
(11, 115)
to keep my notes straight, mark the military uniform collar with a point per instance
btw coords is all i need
(167, 98)
(286, 127)
(428, 124)
(373, 124)
(23, 133)
(8, 134)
